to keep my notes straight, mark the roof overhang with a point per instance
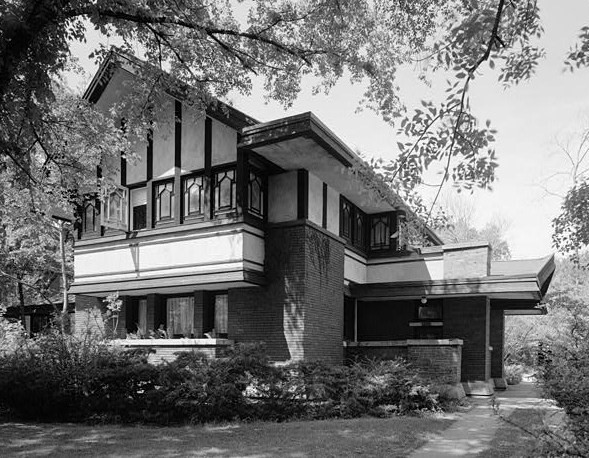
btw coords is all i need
(303, 142)
(518, 292)
(121, 61)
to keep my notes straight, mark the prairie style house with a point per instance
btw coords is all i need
(230, 230)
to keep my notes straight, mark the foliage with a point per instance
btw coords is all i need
(11, 334)
(513, 374)
(571, 226)
(460, 227)
(62, 378)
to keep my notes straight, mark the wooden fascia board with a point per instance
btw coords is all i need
(163, 281)
(218, 110)
(527, 286)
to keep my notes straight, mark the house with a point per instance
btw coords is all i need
(231, 230)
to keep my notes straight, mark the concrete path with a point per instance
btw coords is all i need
(474, 430)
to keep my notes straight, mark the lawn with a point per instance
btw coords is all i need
(392, 437)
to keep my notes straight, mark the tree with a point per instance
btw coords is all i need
(460, 227)
(215, 47)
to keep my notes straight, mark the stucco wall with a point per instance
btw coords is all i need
(193, 144)
(282, 197)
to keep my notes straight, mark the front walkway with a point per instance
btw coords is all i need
(474, 430)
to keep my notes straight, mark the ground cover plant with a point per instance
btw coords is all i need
(57, 377)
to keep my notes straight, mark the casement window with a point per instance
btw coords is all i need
(359, 232)
(90, 215)
(193, 191)
(180, 316)
(380, 232)
(138, 209)
(114, 208)
(256, 188)
(217, 315)
(225, 187)
(346, 221)
(352, 224)
(429, 322)
(163, 201)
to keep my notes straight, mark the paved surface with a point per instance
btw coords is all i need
(474, 430)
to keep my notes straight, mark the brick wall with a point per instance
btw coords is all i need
(374, 352)
(441, 363)
(299, 313)
(469, 262)
(468, 319)
(89, 315)
(497, 331)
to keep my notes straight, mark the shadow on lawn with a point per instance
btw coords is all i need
(365, 436)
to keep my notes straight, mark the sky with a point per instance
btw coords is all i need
(529, 119)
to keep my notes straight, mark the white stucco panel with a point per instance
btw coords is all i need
(181, 252)
(282, 197)
(354, 268)
(193, 139)
(315, 199)
(224, 144)
(381, 271)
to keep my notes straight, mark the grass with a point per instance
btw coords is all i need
(517, 435)
(391, 437)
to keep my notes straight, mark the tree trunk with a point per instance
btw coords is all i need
(62, 236)
(21, 300)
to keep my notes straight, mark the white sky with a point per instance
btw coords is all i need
(528, 119)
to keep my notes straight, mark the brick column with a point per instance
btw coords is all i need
(497, 341)
(299, 314)
(469, 319)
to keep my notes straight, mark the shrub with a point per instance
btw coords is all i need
(63, 378)
(514, 373)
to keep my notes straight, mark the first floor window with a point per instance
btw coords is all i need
(180, 317)
(164, 201)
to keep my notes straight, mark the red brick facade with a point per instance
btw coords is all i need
(497, 340)
(299, 313)
(468, 319)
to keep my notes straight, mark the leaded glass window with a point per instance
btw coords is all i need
(380, 233)
(255, 190)
(225, 188)
(164, 201)
(193, 189)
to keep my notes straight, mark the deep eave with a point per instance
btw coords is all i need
(307, 125)
(217, 110)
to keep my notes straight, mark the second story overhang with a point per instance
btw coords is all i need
(206, 256)
(458, 270)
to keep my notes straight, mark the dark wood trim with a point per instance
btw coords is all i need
(262, 163)
(209, 197)
(242, 178)
(302, 194)
(177, 133)
(149, 178)
(149, 161)
(123, 170)
(324, 216)
(177, 162)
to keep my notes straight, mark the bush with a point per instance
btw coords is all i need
(514, 374)
(62, 378)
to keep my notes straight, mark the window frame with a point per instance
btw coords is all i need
(352, 238)
(172, 201)
(215, 172)
(185, 205)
